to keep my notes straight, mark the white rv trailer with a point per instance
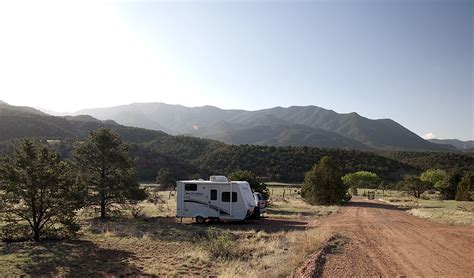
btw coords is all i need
(216, 198)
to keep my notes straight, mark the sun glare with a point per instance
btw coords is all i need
(61, 54)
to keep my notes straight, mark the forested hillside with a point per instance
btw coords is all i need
(188, 156)
(434, 160)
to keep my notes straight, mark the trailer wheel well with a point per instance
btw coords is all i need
(200, 219)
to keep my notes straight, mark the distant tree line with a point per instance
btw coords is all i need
(189, 156)
(451, 185)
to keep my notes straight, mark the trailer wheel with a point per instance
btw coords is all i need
(200, 220)
(256, 212)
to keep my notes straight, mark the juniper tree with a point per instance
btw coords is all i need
(323, 184)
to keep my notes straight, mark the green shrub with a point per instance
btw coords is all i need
(465, 191)
(323, 184)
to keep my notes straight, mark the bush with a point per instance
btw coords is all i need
(136, 211)
(221, 245)
(323, 185)
(465, 191)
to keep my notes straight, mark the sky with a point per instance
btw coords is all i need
(411, 61)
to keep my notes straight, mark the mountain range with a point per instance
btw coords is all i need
(190, 155)
(296, 126)
(310, 126)
(461, 145)
(186, 156)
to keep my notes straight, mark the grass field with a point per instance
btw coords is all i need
(156, 243)
(429, 207)
(441, 211)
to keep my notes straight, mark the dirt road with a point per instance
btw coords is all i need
(380, 240)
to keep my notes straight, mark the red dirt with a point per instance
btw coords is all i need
(381, 240)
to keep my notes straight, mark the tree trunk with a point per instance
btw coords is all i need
(36, 234)
(102, 209)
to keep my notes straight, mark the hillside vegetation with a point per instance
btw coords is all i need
(187, 156)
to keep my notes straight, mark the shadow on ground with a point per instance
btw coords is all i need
(170, 229)
(284, 212)
(77, 258)
(269, 225)
(359, 202)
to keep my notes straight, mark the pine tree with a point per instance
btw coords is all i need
(40, 189)
(107, 170)
(166, 179)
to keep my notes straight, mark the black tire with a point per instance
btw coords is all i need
(214, 219)
(200, 220)
(256, 212)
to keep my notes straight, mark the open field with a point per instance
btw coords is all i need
(441, 211)
(429, 206)
(156, 243)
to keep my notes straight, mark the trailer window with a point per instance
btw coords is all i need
(226, 197)
(213, 194)
(190, 187)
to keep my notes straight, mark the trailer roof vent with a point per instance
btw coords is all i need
(218, 179)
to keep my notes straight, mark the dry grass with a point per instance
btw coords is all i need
(441, 211)
(276, 255)
(156, 243)
(295, 208)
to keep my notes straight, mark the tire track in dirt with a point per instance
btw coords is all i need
(370, 237)
(383, 240)
(427, 244)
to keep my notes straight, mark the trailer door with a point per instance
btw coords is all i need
(214, 203)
